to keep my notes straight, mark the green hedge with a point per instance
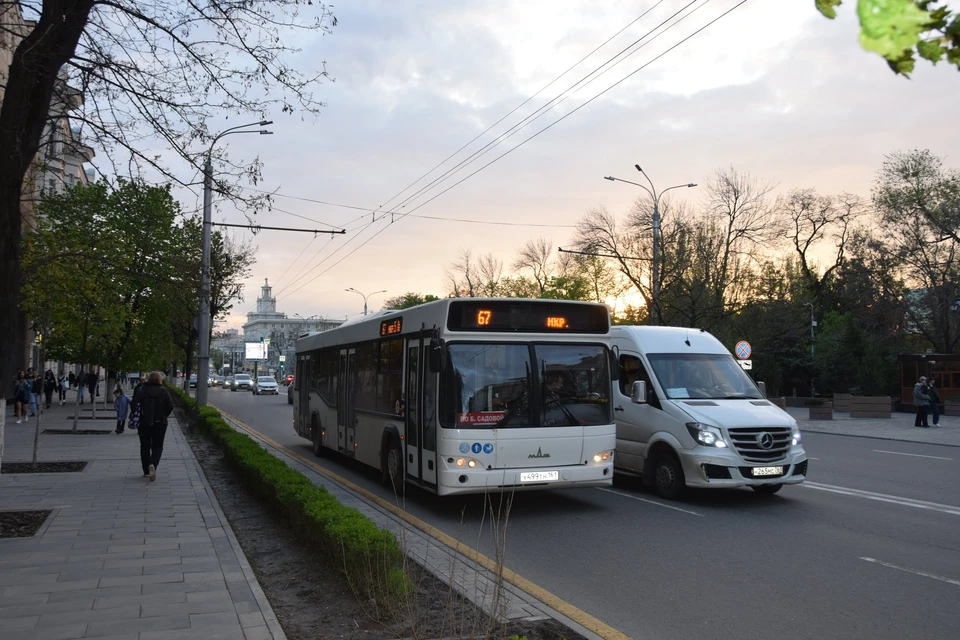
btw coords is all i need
(369, 557)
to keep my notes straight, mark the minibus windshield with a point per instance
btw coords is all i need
(715, 376)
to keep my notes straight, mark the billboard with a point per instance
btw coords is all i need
(256, 351)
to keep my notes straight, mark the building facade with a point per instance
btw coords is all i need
(266, 323)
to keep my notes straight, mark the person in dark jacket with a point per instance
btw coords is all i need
(922, 401)
(21, 395)
(93, 379)
(934, 401)
(61, 388)
(155, 405)
(49, 386)
(36, 392)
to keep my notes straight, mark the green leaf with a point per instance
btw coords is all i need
(904, 64)
(826, 7)
(891, 27)
(930, 50)
(953, 56)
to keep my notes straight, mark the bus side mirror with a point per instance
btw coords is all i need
(763, 388)
(437, 355)
(638, 395)
(615, 363)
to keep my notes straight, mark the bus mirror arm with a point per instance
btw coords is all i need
(437, 355)
(615, 363)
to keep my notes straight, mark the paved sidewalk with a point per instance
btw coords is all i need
(898, 427)
(120, 556)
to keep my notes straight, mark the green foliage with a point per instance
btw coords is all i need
(408, 300)
(899, 30)
(370, 557)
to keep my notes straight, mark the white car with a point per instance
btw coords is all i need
(241, 381)
(265, 384)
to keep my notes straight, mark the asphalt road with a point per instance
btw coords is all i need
(868, 548)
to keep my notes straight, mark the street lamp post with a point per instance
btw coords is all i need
(365, 297)
(203, 322)
(655, 270)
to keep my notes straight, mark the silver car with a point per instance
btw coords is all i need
(241, 381)
(265, 384)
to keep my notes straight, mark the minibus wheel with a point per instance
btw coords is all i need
(668, 479)
(769, 489)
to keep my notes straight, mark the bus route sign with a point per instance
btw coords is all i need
(743, 350)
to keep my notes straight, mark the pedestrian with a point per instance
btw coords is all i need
(155, 405)
(81, 388)
(922, 402)
(21, 396)
(121, 403)
(135, 406)
(934, 401)
(92, 380)
(72, 379)
(49, 386)
(61, 388)
(36, 390)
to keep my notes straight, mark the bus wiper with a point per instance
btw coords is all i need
(515, 409)
(740, 396)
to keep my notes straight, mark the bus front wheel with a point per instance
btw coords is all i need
(392, 470)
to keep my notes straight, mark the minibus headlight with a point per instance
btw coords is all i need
(706, 435)
(795, 432)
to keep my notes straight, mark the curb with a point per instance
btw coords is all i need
(269, 617)
(888, 439)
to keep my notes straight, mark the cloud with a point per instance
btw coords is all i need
(773, 89)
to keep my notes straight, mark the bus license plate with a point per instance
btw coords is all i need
(539, 476)
(767, 471)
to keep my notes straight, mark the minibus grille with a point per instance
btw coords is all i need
(754, 445)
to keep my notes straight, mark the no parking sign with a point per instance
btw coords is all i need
(743, 349)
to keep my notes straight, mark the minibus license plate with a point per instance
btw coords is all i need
(767, 471)
(539, 476)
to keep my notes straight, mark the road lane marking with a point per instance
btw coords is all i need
(882, 497)
(579, 616)
(915, 455)
(913, 571)
(812, 458)
(659, 504)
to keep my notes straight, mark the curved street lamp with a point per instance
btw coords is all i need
(655, 276)
(203, 321)
(365, 296)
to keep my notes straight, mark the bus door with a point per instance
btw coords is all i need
(419, 432)
(346, 418)
(302, 382)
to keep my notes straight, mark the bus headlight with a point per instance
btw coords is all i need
(706, 435)
(795, 432)
(603, 456)
(472, 463)
(461, 462)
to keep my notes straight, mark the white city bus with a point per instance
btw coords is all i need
(465, 395)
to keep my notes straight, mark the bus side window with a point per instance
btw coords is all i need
(632, 370)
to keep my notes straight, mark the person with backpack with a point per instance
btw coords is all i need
(49, 386)
(155, 405)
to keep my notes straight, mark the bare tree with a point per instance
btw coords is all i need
(814, 222)
(145, 71)
(536, 259)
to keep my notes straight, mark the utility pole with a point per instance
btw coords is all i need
(655, 269)
(203, 322)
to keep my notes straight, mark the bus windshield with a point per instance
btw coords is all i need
(702, 375)
(496, 386)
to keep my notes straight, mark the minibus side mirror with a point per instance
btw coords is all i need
(638, 395)
(437, 355)
(763, 388)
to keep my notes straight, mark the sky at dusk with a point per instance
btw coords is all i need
(773, 89)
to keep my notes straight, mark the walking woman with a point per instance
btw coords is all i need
(21, 396)
(155, 405)
(61, 388)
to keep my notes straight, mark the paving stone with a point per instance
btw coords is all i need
(19, 624)
(159, 623)
(141, 579)
(252, 619)
(144, 562)
(54, 618)
(257, 633)
(213, 606)
(39, 609)
(137, 599)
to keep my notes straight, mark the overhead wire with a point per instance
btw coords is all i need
(551, 125)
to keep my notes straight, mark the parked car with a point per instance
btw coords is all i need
(265, 384)
(242, 381)
(228, 382)
(193, 381)
(291, 391)
(288, 380)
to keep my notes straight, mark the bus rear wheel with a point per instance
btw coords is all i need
(317, 438)
(392, 471)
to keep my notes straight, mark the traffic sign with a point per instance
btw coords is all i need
(283, 358)
(743, 349)
(747, 365)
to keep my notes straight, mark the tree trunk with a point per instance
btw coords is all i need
(76, 401)
(36, 432)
